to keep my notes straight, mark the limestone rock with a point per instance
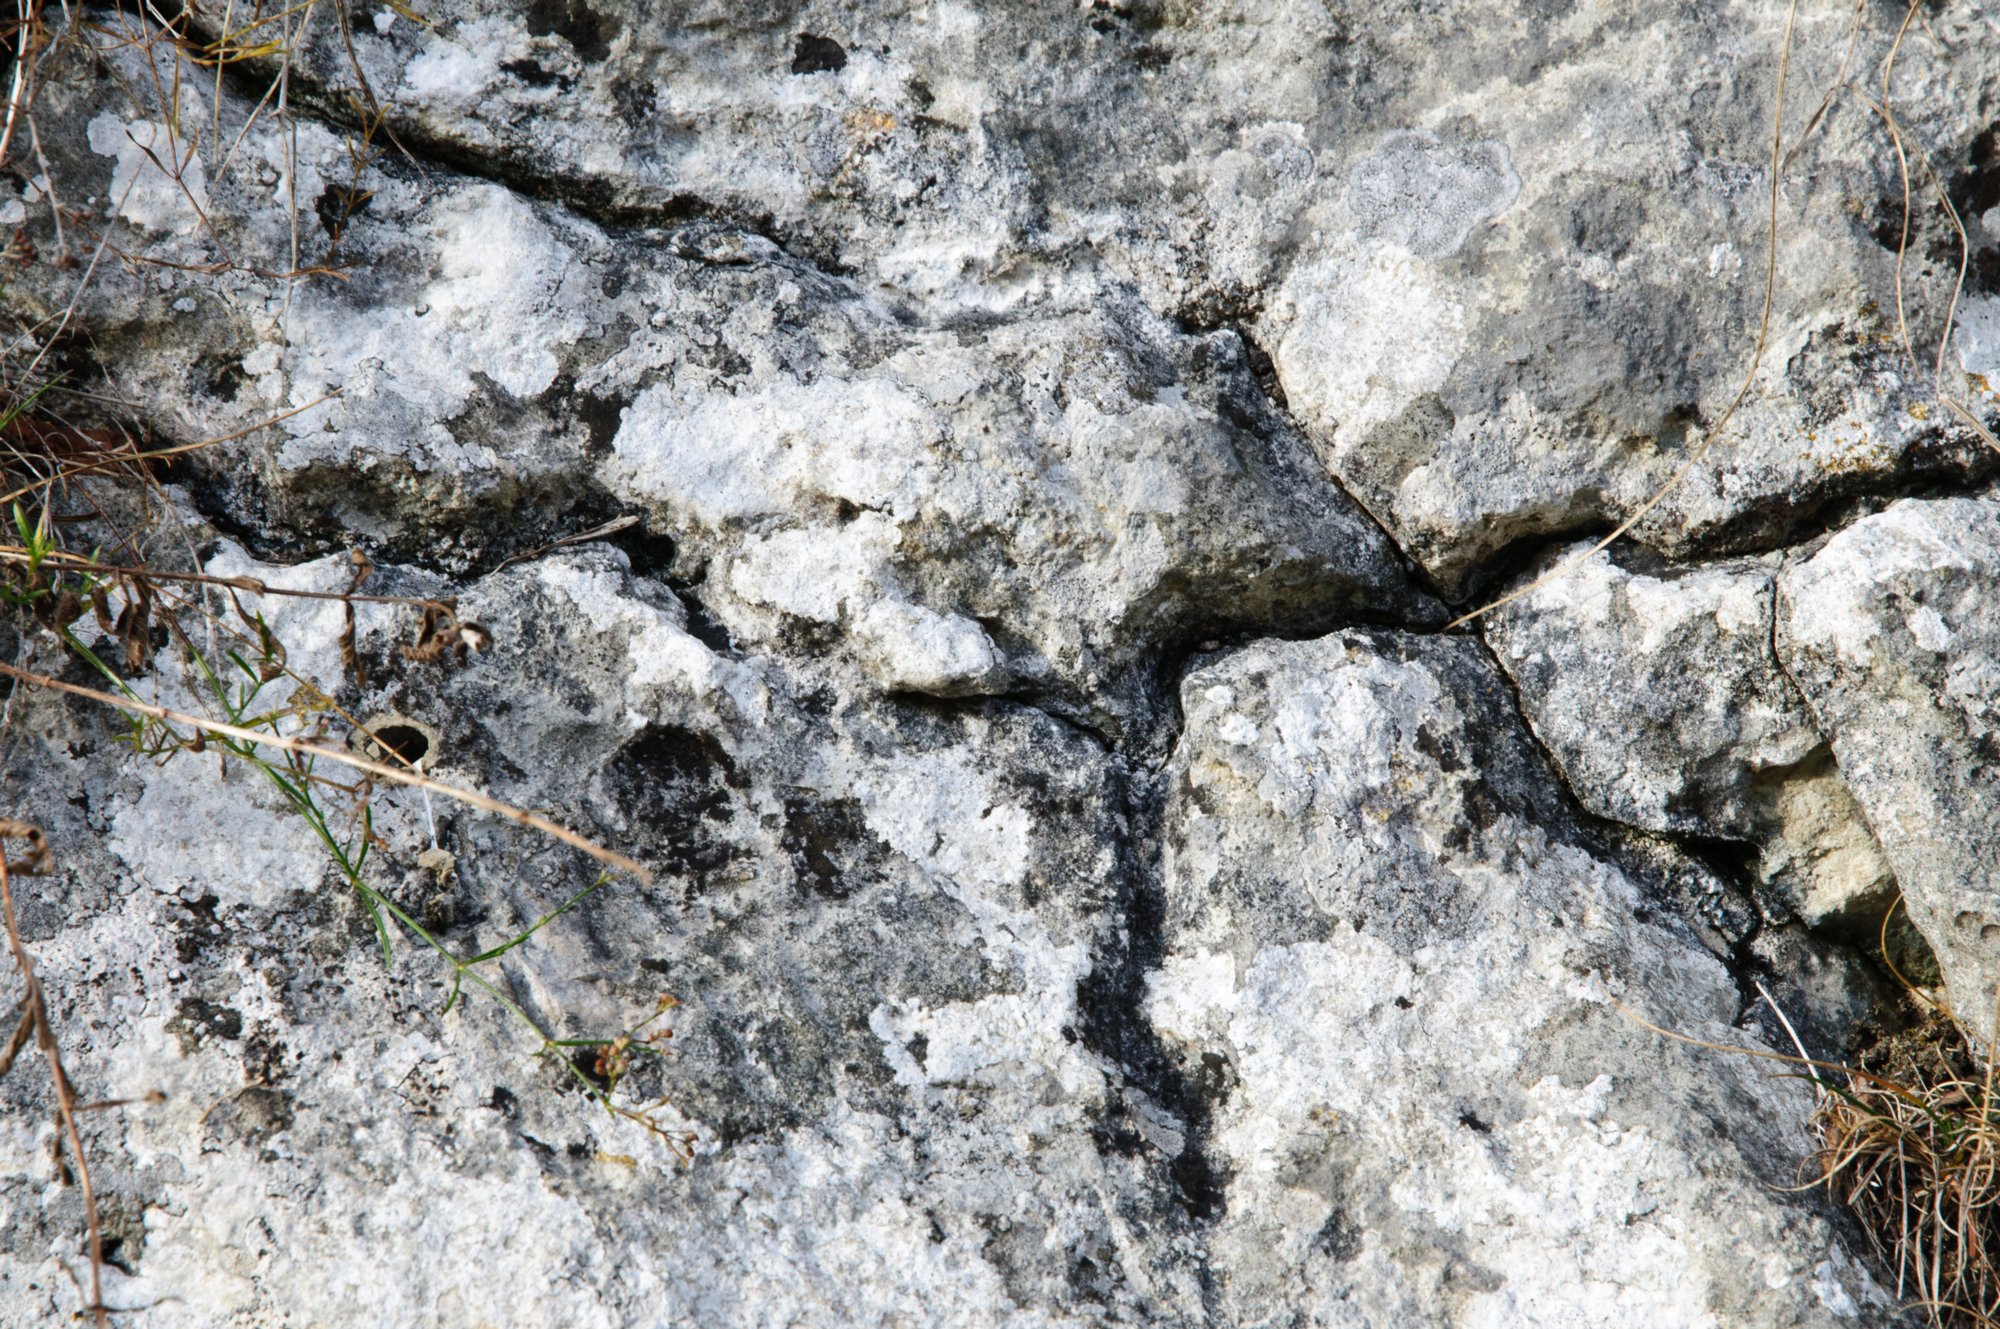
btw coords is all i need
(1040, 506)
(1396, 960)
(1893, 630)
(881, 921)
(1027, 507)
(848, 422)
(1507, 261)
(1659, 697)
(1819, 856)
(933, 1066)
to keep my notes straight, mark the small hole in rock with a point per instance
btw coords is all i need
(406, 742)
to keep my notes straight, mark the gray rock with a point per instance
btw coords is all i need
(881, 921)
(1818, 855)
(1395, 960)
(1893, 630)
(1036, 506)
(1507, 260)
(1657, 695)
(847, 424)
(1660, 699)
(931, 1069)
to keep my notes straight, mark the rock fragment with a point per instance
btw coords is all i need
(1659, 696)
(1893, 631)
(1397, 954)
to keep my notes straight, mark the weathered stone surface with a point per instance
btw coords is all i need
(900, 934)
(1659, 697)
(1365, 868)
(1507, 260)
(1817, 853)
(1893, 630)
(1023, 508)
(848, 422)
(879, 919)
(1037, 506)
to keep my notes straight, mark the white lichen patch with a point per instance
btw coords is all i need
(458, 69)
(1426, 196)
(723, 458)
(1837, 589)
(1977, 336)
(1362, 334)
(666, 670)
(943, 813)
(909, 648)
(505, 301)
(160, 180)
(233, 838)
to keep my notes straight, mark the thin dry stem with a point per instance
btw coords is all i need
(35, 1023)
(470, 797)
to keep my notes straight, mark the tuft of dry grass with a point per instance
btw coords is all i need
(1911, 1145)
(1908, 1140)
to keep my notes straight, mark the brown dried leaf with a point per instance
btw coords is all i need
(37, 860)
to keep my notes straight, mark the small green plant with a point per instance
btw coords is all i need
(243, 726)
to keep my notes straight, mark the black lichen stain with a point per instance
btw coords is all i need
(1975, 191)
(252, 1117)
(588, 32)
(211, 1018)
(677, 786)
(535, 74)
(829, 843)
(1337, 1239)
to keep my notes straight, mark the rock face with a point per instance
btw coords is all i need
(1893, 630)
(1681, 665)
(1467, 234)
(1661, 700)
(1031, 507)
(881, 923)
(1364, 861)
(972, 499)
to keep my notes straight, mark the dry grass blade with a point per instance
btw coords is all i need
(1761, 1054)
(58, 561)
(124, 460)
(402, 775)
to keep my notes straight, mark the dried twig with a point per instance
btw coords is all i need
(35, 1024)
